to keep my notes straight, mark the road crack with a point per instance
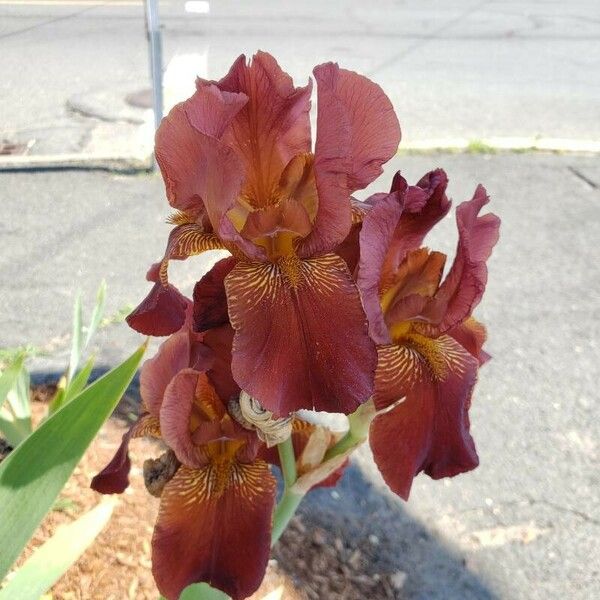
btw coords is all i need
(590, 182)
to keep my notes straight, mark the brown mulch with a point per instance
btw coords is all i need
(327, 566)
(309, 563)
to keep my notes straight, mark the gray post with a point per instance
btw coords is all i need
(155, 46)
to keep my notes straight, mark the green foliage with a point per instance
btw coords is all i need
(15, 413)
(479, 147)
(97, 314)
(32, 476)
(79, 381)
(202, 591)
(8, 355)
(76, 337)
(9, 376)
(52, 559)
(118, 316)
(73, 382)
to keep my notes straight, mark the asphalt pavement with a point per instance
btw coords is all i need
(525, 524)
(469, 69)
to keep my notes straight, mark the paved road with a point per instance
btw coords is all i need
(525, 524)
(468, 68)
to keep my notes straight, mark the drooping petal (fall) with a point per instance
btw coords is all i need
(465, 283)
(301, 335)
(161, 313)
(214, 526)
(178, 352)
(182, 140)
(357, 132)
(273, 126)
(210, 301)
(187, 240)
(424, 391)
(114, 478)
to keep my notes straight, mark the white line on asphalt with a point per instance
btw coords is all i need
(199, 7)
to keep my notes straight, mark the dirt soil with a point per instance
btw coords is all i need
(308, 563)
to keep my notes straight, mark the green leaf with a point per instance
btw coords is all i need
(197, 591)
(79, 381)
(59, 398)
(15, 415)
(14, 430)
(50, 561)
(32, 476)
(202, 591)
(9, 377)
(97, 314)
(18, 397)
(76, 337)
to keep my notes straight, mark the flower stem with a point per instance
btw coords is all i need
(284, 512)
(360, 421)
(347, 442)
(287, 460)
(290, 500)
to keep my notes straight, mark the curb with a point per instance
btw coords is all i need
(136, 164)
(503, 144)
(56, 162)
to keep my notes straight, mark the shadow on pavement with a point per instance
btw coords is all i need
(392, 543)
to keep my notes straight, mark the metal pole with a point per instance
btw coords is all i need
(155, 46)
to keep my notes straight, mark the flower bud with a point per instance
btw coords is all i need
(159, 471)
(250, 414)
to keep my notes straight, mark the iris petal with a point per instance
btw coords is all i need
(357, 132)
(161, 313)
(463, 287)
(179, 351)
(210, 301)
(301, 335)
(425, 394)
(214, 526)
(273, 126)
(114, 478)
(183, 138)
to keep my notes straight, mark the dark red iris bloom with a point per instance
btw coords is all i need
(429, 346)
(239, 168)
(217, 491)
(216, 502)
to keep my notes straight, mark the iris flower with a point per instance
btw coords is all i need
(429, 346)
(216, 489)
(240, 170)
(216, 495)
(323, 304)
